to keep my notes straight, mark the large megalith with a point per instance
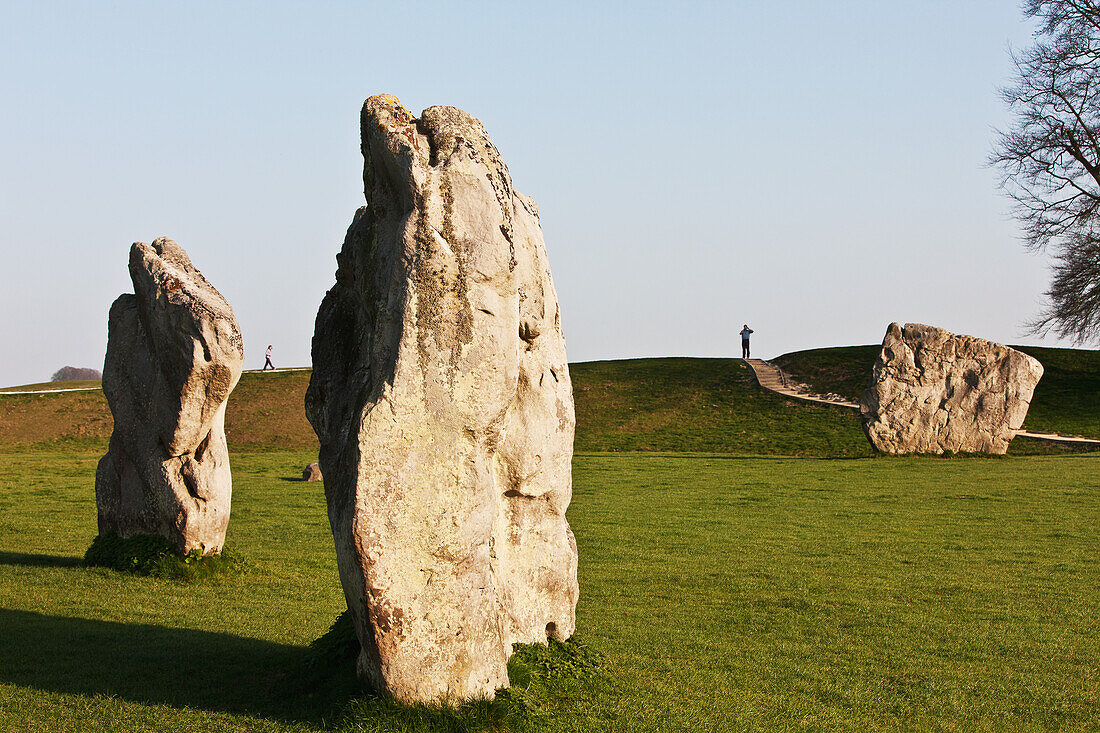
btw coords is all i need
(441, 397)
(174, 353)
(933, 391)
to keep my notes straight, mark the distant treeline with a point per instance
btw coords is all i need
(72, 374)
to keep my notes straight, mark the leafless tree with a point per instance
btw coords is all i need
(1050, 158)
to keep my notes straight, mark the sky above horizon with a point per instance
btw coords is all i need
(814, 169)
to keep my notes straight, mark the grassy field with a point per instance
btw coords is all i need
(723, 593)
(732, 578)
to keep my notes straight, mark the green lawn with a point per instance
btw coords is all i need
(724, 593)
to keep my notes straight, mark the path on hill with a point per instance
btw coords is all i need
(276, 370)
(94, 389)
(773, 378)
(46, 391)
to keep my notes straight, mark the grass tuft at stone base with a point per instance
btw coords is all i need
(154, 555)
(539, 674)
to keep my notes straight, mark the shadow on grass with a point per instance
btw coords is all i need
(158, 665)
(39, 561)
(189, 668)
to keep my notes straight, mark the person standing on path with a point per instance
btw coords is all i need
(267, 360)
(745, 331)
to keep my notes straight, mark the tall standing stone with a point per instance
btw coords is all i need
(174, 353)
(933, 391)
(441, 397)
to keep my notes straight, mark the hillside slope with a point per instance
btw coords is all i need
(1066, 400)
(265, 412)
(676, 404)
(683, 404)
(671, 404)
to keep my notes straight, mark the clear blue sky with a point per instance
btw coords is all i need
(815, 169)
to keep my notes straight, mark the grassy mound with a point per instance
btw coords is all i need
(669, 405)
(842, 370)
(146, 554)
(673, 405)
(1066, 400)
(538, 675)
(701, 405)
(69, 420)
(70, 384)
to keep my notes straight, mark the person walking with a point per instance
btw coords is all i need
(267, 360)
(745, 331)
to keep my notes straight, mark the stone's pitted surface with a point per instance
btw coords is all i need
(441, 397)
(312, 472)
(174, 353)
(933, 391)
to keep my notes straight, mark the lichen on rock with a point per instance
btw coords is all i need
(933, 391)
(442, 401)
(174, 353)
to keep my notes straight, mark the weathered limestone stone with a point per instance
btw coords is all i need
(174, 353)
(442, 400)
(312, 472)
(933, 391)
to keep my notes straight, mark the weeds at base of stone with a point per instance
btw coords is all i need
(538, 675)
(155, 556)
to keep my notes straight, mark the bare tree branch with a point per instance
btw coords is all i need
(1050, 158)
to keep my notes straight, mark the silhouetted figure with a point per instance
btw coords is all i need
(267, 360)
(745, 341)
